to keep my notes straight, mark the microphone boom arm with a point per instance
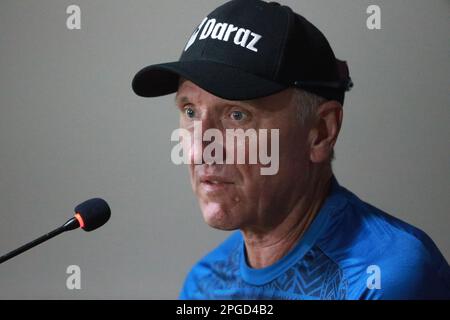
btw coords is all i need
(71, 224)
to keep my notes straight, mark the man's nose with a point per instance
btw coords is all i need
(206, 130)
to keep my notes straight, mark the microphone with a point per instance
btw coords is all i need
(89, 215)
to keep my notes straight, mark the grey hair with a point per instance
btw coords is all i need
(307, 105)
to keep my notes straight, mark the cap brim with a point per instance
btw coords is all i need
(221, 80)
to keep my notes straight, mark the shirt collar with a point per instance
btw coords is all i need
(334, 202)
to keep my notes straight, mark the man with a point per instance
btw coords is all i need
(300, 235)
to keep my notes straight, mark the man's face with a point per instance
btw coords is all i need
(237, 196)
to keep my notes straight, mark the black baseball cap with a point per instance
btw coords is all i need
(247, 49)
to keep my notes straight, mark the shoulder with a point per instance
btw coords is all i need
(206, 272)
(384, 257)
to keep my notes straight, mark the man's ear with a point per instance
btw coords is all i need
(325, 130)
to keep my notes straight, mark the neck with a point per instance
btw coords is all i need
(265, 248)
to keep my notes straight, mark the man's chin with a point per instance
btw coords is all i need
(222, 227)
(218, 218)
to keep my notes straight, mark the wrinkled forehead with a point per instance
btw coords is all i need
(189, 92)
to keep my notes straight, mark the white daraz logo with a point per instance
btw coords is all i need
(209, 28)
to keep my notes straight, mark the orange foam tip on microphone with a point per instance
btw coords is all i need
(80, 220)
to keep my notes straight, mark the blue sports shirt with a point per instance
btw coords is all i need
(351, 250)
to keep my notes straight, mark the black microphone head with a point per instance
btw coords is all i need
(92, 214)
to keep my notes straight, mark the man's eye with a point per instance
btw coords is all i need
(238, 115)
(189, 112)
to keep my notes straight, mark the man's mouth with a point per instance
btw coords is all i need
(214, 183)
(214, 179)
